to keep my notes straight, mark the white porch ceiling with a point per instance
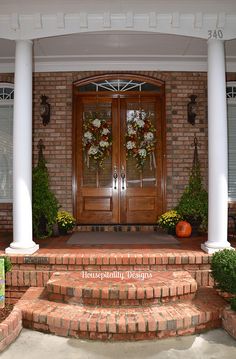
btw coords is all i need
(117, 51)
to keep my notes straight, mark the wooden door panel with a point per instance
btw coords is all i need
(97, 201)
(140, 203)
(97, 204)
(141, 200)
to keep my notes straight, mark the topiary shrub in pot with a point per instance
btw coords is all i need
(223, 266)
(193, 204)
(44, 202)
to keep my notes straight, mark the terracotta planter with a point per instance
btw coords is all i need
(183, 229)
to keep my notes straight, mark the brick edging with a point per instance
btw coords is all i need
(10, 328)
(229, 321)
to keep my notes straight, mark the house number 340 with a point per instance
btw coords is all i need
(215, 34)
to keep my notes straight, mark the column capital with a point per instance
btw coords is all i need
(24, 41)
(213, 40)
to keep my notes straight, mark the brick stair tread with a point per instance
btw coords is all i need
(69, 320)
(131, 286)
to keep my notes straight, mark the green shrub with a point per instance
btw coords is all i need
(169, 219)
(233, 304)
(7, 264)
(223, 267)
(193, 204)
(45, 204)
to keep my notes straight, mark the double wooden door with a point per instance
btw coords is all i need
(114, 182)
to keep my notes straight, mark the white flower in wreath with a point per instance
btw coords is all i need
(104, 144)
(105, 131)
(131, 131)
(143, 115)
(92, 151)
(142, 152)
(96, 123)
(148, 136)
(130, 145)
(88, 135)
(140, 123)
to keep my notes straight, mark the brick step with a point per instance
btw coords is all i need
(131, 288)
(131, 323)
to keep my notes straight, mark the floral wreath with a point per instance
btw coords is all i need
(96, 140)
(140, 139)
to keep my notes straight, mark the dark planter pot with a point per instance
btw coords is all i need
(42, 228)
(55, 230)
(62, 231)
(195, 224)
(171, 231)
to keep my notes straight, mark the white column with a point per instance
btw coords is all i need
(22, 152)
(217, 150)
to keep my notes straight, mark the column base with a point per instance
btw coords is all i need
(30, 250)
(213, 247)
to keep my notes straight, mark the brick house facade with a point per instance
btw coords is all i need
(57, 136)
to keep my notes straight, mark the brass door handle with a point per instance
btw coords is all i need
(122, 174)
(115, 176)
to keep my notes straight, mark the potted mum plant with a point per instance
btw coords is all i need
(168, 220)
(65, 221)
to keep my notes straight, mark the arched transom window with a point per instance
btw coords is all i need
(119, 85)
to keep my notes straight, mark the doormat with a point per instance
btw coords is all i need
(124, 239)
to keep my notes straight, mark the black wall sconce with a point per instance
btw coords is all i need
(192, 106)
(44, 110)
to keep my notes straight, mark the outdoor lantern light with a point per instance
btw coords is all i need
(192, 105)
(44, 110)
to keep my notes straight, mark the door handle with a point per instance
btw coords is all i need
(122, 174)
(115, 176)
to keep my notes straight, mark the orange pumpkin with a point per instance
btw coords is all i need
(183, 229)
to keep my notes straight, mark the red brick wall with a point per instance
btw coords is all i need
(57, 136)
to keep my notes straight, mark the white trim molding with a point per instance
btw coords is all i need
(17, 26)
(114, 63)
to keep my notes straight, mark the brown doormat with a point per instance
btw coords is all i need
(97, 239)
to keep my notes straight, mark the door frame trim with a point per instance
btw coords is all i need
(110, 76)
